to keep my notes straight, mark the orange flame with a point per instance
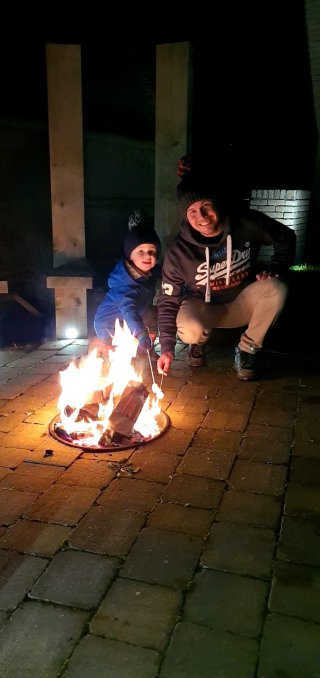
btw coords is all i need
(79, 383)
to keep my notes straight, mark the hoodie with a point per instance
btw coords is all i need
(217, 269)
(128, 298)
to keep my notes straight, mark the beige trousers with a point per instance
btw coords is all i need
(256, 307)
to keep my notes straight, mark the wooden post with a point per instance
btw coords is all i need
(174, 80)
(67, 186)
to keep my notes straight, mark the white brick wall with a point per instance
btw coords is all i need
(291, 207)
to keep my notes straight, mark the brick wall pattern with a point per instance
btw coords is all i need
(291, 207)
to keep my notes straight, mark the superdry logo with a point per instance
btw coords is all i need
(240, 261)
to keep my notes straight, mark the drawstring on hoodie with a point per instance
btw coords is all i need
(208, 291)
(229, 255)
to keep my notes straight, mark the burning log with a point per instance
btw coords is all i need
(126, 412)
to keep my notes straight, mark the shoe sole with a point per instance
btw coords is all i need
(245, 375)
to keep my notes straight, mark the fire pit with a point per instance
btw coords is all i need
(59, 434)
(103, 403)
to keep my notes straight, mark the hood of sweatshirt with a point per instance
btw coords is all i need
(212, 247)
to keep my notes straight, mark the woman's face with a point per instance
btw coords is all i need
(204, 218)
(144, 257)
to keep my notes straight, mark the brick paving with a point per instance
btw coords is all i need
(203, 563)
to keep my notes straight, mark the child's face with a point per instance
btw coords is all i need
(144, 257)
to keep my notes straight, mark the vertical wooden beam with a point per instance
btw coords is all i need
(174, 81)
(66, 152)
(67, 188)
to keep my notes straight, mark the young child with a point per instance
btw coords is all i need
(132, 283)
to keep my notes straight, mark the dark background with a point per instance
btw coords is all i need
(253, 109)
(253, 117)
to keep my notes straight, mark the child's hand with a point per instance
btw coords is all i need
(145, 343)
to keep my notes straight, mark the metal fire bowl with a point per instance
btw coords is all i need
(162, 420)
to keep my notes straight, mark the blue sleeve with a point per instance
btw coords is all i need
(129, 300)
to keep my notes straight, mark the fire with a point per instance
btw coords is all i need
(91, 424)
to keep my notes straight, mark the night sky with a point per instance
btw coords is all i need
(252, 92)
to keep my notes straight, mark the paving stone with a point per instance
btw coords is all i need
(181, 519)
(55, 632)
(25, 436)
(111, 659)
(13, 504)
(91, 473)
(43, 415)
(227, 405)
(138, 613)
(163, 557)
(289, 647)
(194, 491)
(306, 448)
(308, 430)
(31, 477)
(133, 494)
(272, 416)
(242, 549)
(302, 501)
(154, 465)
(224, 441)
(286, 385)
(277, 401)
(172, 441)
(75, 578)
(295, 591)
(188, 406)
(196, 651)
(185, 422)
(12, 456)
(269, 433)
(34, 538)
(255, 477)
(24, 404)
(211, 464)
(227, 602)
(109, 530)
(17, 574)
(299, 541)
(236, 421)
(193, 391)
(59, 455)
(112, 456)
(305, 471)
(261, 510)
(63, 504)
(264, 451)
(11, 421)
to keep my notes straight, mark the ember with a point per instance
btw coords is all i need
(104, 404)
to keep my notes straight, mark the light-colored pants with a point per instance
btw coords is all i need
(257, 306)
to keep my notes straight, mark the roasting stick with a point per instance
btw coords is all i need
(151, 368)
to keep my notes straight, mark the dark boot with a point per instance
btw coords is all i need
(244, 365)
(197, 355)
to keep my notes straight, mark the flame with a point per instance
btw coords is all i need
(80, 381)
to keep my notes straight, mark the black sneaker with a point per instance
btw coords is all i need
(244, 365)
(196, 356)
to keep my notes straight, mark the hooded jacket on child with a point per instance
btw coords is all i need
(130, 292)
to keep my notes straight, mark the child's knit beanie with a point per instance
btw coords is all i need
(140, 231)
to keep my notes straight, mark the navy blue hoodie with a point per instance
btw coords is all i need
(217, 269)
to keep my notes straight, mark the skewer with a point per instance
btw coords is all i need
(151, 368)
